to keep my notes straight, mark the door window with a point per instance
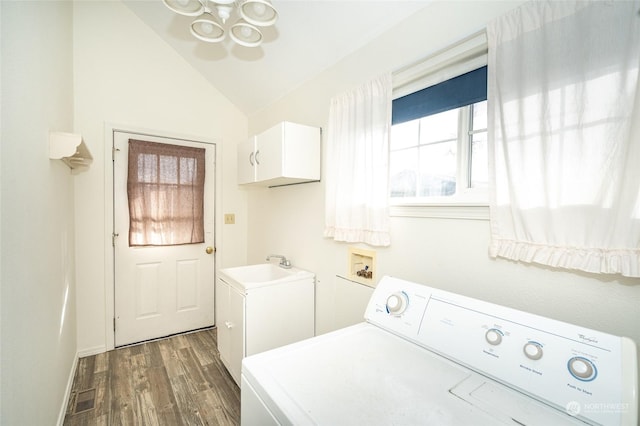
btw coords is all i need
(165, 189)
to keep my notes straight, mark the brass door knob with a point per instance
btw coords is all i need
(209, 250)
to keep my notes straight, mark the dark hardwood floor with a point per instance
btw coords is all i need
(179, 380)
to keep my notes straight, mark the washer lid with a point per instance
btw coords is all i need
(509, 405)
(360, 375)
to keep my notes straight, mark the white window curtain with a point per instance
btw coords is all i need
(357, 195)
(564, 135)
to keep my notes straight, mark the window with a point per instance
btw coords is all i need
(165, 187)
(441, 155)
(438, 147)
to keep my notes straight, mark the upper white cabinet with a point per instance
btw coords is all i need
(285, 154)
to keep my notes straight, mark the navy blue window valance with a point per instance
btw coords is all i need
(465, 89)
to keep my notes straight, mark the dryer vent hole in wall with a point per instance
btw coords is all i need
(85, 401)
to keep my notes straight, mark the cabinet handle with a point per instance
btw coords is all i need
(257, 161)
(228, 324)
(251, 159)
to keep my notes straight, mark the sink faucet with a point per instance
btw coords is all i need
(284, 263)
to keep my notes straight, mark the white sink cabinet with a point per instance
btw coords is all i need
(253, 317)
(285, 154)
(230, 305)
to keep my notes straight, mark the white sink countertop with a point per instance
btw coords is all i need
(262, 274)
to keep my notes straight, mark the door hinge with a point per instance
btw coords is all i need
(113, 239)
(113, 153)
(114, 324)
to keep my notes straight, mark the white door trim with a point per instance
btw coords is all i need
(109, 129)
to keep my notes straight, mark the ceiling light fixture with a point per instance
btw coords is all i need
(212, 16)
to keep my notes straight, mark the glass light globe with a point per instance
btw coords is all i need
(259, 9)
(246, 32)
(206, 27)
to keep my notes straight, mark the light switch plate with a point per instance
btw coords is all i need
(229, 219)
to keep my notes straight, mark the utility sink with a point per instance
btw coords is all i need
(262, 274)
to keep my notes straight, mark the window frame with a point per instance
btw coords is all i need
(467, 203)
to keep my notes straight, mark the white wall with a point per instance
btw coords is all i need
(38, 286)
(125, 74)
(445, 253)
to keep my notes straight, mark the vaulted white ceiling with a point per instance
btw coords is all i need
(309, 37)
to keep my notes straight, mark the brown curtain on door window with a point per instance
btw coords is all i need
(165, 187)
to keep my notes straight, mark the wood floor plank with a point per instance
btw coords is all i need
(170, 358)
(213, 410)
(139, 380)
(204, 347)
(193, 371)
(101, 364)
(181, 341)
(163, 396)
(145, 412)
(155, 357)
(81, 419)
(220, 379)
(188, 408)
(175, 381)
(101, 384)
(101, 420)
(122, 399)
(86, 367)
(171, 417)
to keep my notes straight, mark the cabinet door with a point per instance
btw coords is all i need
(222, 319)
(246, 162)
(301, 152)
(236, 320)
(280, 314)
(269, 154)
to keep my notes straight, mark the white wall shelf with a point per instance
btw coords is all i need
(71, 149)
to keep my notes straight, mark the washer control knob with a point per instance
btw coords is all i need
(533, 350)
(582, 369)
(494, 336)
(397, 303)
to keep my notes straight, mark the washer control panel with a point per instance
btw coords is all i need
(494, 336)
(398, 307)
(582, 368)
(397, 303)
(532, 350)
(585, 373)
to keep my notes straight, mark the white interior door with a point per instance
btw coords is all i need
(160, 290)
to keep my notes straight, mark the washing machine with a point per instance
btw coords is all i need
(424, 356)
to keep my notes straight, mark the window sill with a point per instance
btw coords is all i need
(442, 211)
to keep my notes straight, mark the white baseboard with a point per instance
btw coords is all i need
(67, 393)
(92, 351)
